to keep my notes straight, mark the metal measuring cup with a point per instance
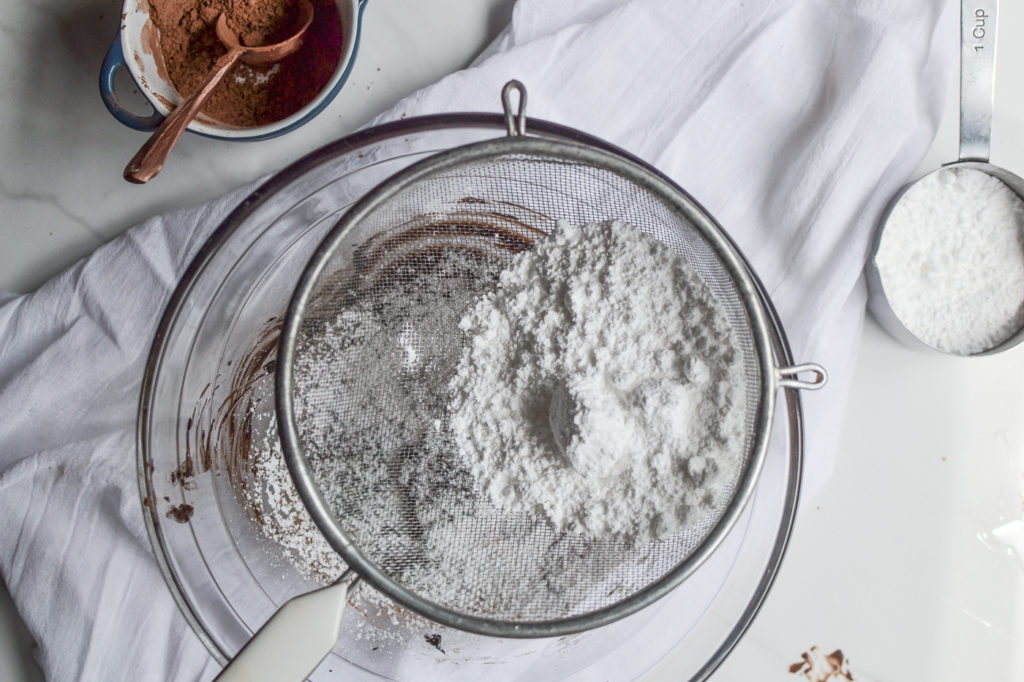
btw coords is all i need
(977, 86)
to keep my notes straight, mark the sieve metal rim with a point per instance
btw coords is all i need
(674, 198)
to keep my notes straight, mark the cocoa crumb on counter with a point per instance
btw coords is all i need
(820, 667)
(434, 641)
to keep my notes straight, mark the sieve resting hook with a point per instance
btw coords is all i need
(789, 377)
(515, 124)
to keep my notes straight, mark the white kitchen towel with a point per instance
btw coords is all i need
(792, 121)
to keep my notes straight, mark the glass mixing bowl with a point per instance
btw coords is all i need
(207, 407)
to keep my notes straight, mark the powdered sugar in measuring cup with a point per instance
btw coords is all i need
(952, 261)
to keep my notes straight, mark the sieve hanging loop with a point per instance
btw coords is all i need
(515, 124)
(789, 377)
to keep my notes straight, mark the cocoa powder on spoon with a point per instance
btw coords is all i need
(250, 95)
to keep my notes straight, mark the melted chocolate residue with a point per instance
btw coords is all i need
(181, 513)
(219, 433)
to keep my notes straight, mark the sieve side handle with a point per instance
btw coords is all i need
(292, 643)
(977, 77)
(789, 377)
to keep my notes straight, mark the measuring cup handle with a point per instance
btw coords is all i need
(977, 77)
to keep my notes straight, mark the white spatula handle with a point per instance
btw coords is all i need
(292, 643)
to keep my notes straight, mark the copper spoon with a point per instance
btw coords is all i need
(150, 158)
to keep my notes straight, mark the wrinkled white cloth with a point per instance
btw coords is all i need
(792, 121)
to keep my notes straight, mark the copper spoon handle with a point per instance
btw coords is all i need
(149, 160)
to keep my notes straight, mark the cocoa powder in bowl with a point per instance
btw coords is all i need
(250, 95)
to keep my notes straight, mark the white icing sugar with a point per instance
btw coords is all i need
(600, 387)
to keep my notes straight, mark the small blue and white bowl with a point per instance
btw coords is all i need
(135, 47)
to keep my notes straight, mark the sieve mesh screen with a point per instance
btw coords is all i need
(379, 342)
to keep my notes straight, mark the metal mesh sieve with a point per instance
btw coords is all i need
(371, 340)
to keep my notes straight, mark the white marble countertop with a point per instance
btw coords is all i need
(910, 559)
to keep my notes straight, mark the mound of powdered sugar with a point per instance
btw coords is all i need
(601, 387)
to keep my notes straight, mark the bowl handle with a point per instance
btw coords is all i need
(111, 63)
